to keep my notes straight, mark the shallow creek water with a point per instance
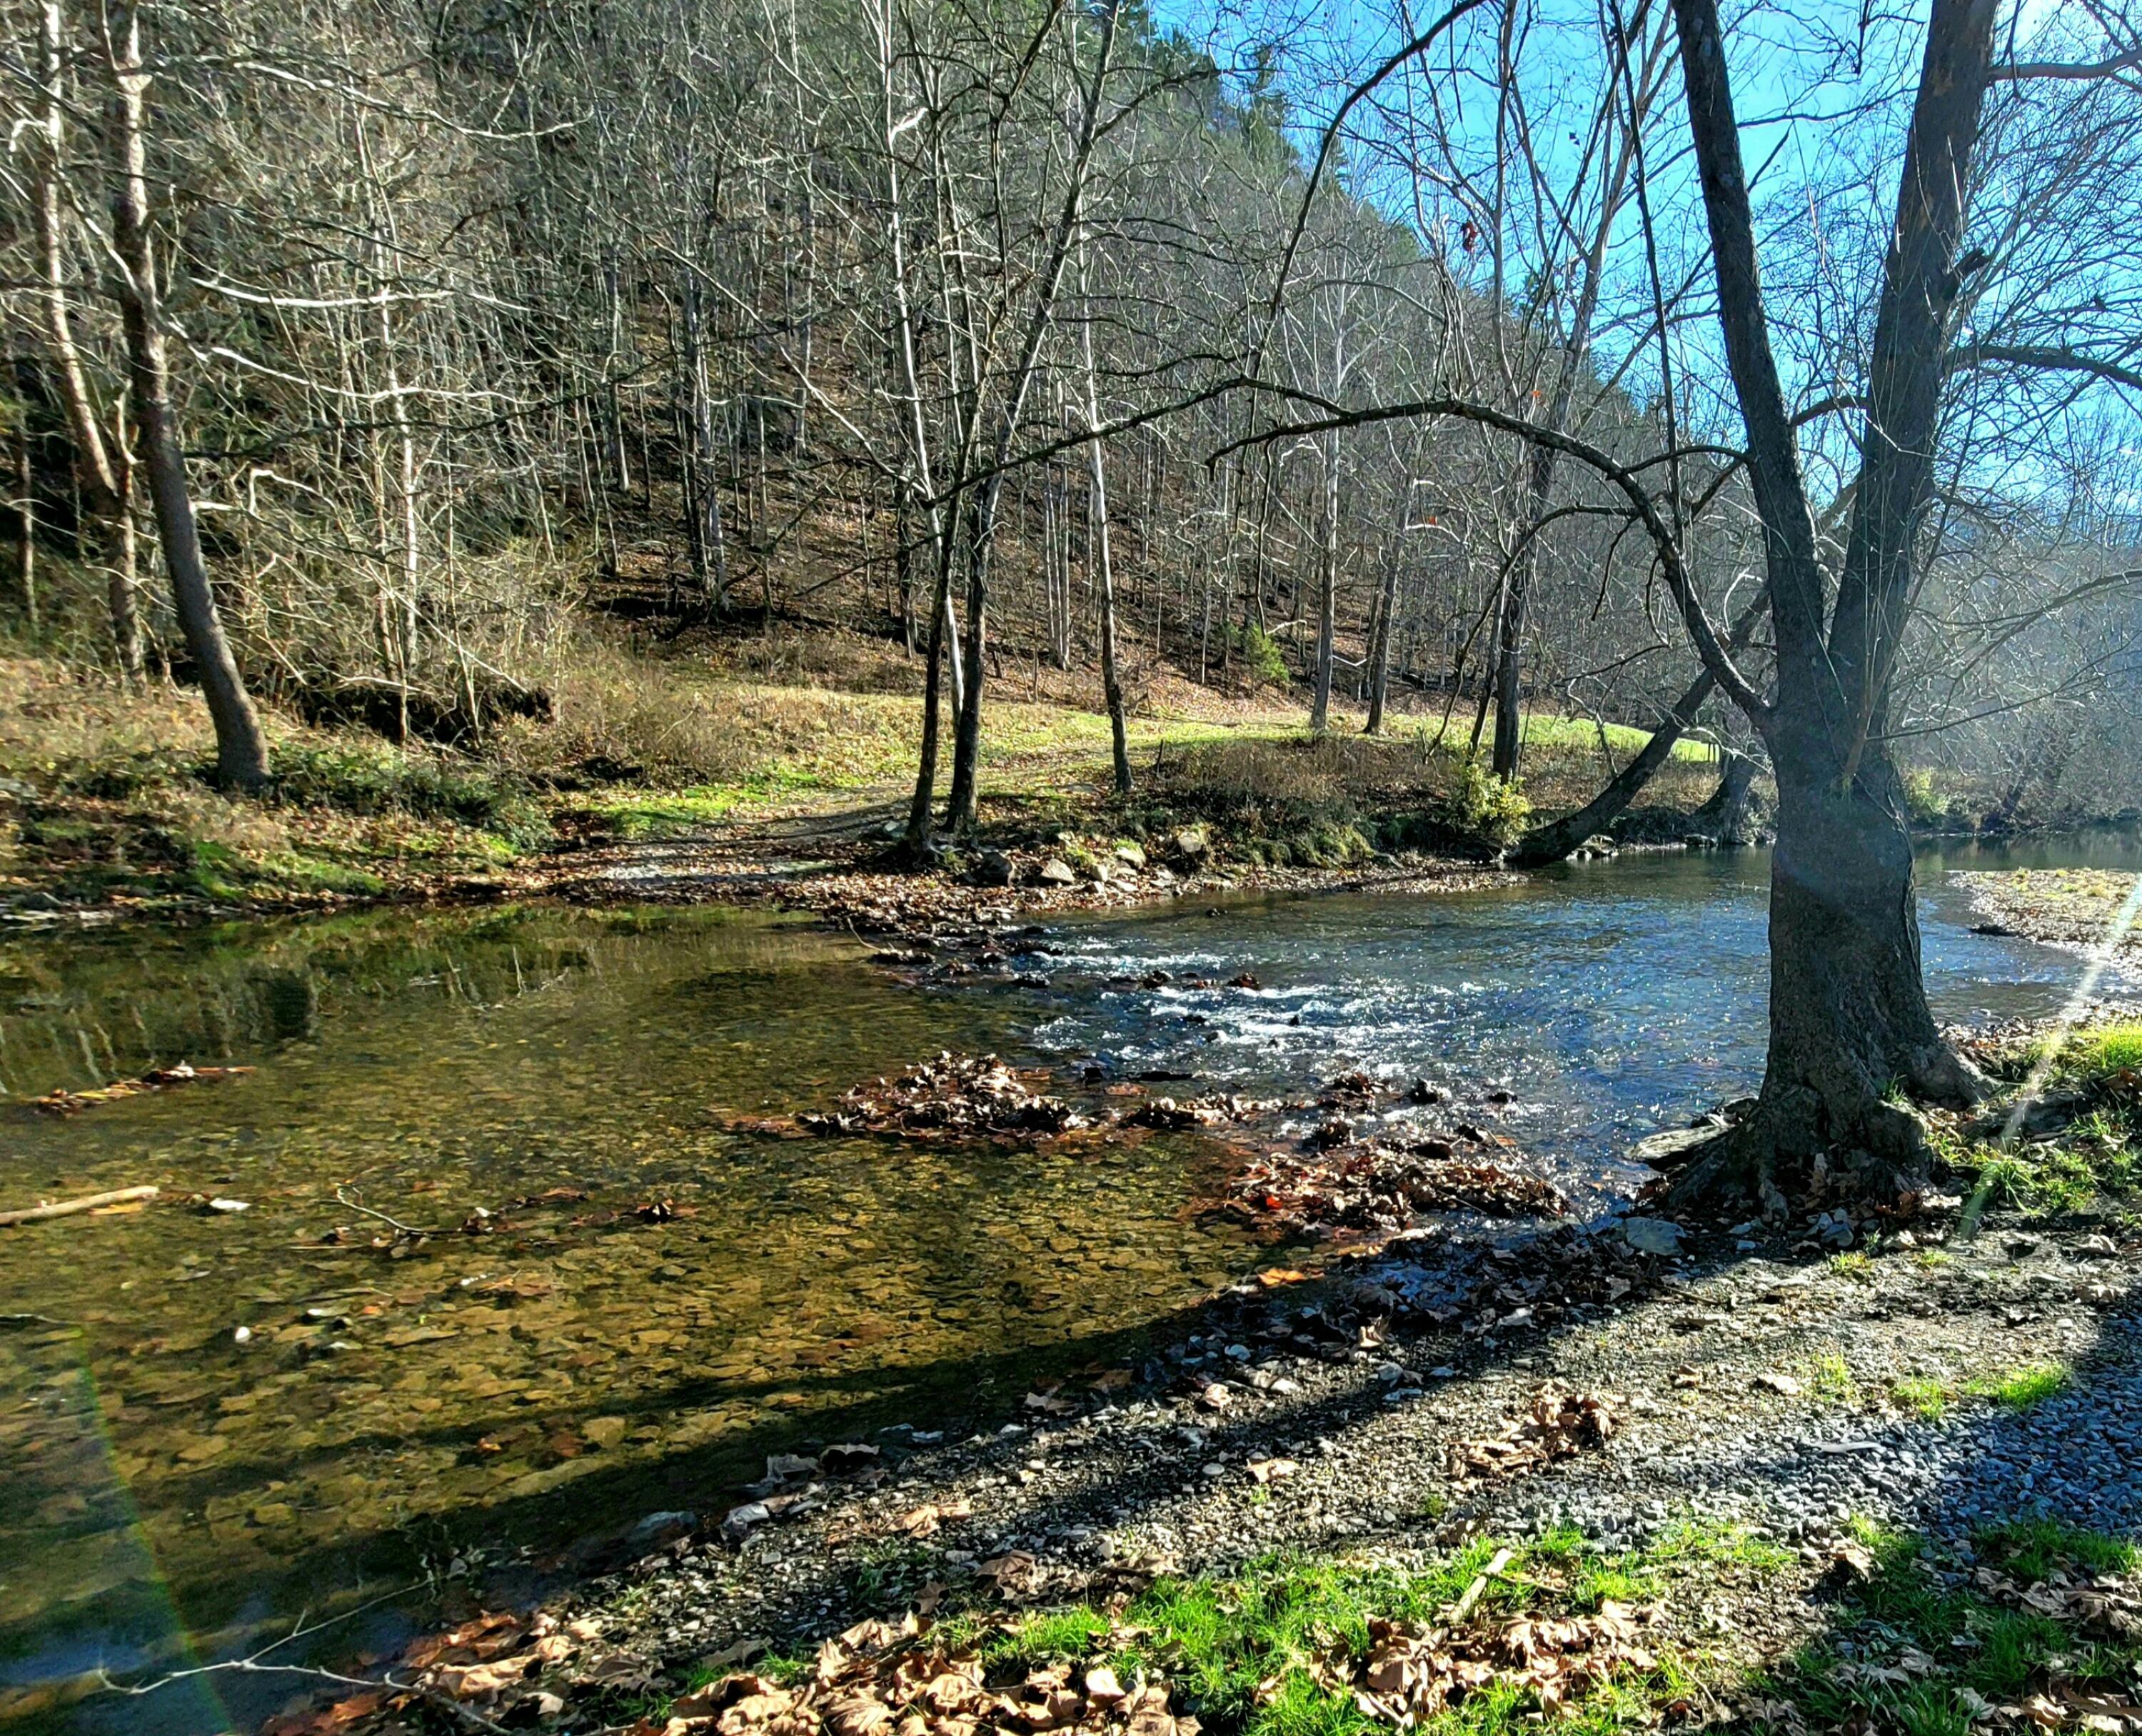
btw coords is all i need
(171, 1493)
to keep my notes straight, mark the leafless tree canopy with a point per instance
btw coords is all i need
(1049, 333)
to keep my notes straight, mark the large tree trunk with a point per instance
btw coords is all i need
(1849, 1023)
(944, 650)
(1101, 553)
(963, 798)
(241, 750)
(1850, 1030)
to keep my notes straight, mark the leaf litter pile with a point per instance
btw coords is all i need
(913, 1677)
(886, 1678)
(952, 1096)
(1410, 1673)
(1334, 1184)
(156, 1079)
(1372, 1186)
(1558, 1426)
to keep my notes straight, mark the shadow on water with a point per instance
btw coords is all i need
(176, 1493)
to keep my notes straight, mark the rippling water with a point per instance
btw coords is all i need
(169, 1492)
(1629, 994)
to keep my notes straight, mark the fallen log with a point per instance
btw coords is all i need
(69, 1208)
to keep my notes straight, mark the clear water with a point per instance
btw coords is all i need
(169, 1494)
(1610, 1001)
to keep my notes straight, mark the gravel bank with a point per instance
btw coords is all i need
(1752, 1385)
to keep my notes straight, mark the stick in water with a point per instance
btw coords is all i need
(68, 1208)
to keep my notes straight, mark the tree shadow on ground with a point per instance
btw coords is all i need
(1401, 1293)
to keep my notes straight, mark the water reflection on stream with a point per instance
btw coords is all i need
(164, 1486)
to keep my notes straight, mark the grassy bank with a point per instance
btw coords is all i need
(2077, 1148)
(105, 799)
(1708, 1625)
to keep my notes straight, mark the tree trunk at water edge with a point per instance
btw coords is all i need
(1851, 1031)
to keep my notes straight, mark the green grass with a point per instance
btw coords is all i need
(2098, 1054)
(2031, 1549)
(1969, 1643)
(649, 814)
(2098, 1159)
(1926, 1399)
(1854, 1265)
(1829, 1379)
(2021, 1389)
(1245, 1652)
(220, 872)
(1071, 1633)
(1691, 1543)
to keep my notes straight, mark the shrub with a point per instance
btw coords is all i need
(1263, 662)
(1924, 803)
(1494, 808)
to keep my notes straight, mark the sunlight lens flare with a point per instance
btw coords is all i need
(2078, 1003)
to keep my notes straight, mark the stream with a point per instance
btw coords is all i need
(214, 1419)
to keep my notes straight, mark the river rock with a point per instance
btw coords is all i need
(1130, 855)
(1191, 843)
(1057, 872)
(1661, 1149)
(658, 1528)
(992, 868)
(1653, 1235)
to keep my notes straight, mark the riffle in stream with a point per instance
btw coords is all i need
(216, 1420)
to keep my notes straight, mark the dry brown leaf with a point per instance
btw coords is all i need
(1855, 1558)
(923, 1521)
(1102, 1687)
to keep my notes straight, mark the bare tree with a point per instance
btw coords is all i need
(241, 747)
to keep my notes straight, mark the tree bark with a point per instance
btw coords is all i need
(1112, 686)
(241, 750)
(26, 524)
(1379, 653)
(1850, 1029)
(101, 465)
(943, 643)
(1849, 1023)
(1327, 592)
(1725, 815)
(704, 497)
